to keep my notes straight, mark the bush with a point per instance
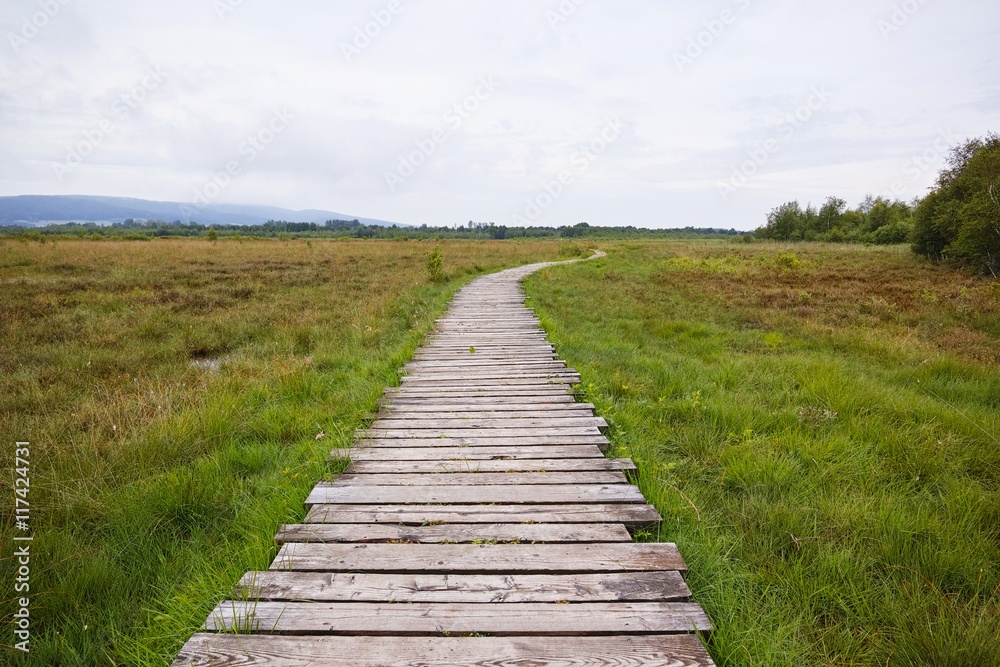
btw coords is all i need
(435, 266)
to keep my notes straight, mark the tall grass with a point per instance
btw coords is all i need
(180, 397)
(820, 428)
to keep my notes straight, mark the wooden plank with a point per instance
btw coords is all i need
(552, 533)
(483, 424)
(472, 439)
(579, 432)
(464, 454)
(522, 494)
(443, 467)
(471, 417)
(488, 380)
(484, 412)
(527, 619)
(667, 586)
(562, 400)
(479, 558)
(626, 513)
(479, 362)
(213, 650)
(493, 391)
(475, 478)
(559, 403)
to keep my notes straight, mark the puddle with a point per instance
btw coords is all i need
(208, 365)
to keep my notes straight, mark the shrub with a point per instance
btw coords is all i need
(435, 266)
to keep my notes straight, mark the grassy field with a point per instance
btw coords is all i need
(180, 397)
(820, 428)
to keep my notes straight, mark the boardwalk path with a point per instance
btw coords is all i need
(479, 523)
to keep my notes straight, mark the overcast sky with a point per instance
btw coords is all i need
(651, 113)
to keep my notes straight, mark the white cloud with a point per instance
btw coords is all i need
(686, 130)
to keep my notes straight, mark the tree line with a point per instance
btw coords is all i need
(140, 230)
(957, 222)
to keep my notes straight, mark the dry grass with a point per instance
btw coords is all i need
(172, 392)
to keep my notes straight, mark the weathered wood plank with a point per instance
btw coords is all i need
(483, 424)
(477, 478)
(626, 513)
(446, 380)
(443, 413)
(479, 362)
(479, 558)
(492, 391)
(524, 619)
(213, 650)
(666, 586)
(463, 454)
(472, 439)
(579, 432)
(520, 494)
(553, 533)
(444, 467)
(483, 406)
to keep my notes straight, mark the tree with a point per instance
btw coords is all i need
(959, 221)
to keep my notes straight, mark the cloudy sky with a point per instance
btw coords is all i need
(651, 113)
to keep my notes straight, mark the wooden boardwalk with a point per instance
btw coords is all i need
(479, 523)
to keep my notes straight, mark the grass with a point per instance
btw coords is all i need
(180, 397)
(819, 427)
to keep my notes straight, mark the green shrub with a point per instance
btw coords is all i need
(435, 266)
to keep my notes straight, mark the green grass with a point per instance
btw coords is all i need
(181, 397)
(819, 427)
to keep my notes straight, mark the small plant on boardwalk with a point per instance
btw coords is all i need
(435, 266)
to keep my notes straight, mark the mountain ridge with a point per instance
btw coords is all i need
(39, 210)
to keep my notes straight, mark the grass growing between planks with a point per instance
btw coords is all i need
(180, 397)
(820, 428)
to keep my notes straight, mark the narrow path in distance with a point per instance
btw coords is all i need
(479, 522)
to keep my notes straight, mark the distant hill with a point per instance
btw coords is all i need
(39, 210)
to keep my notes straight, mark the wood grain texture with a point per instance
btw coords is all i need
(667, 586)
(471, 439)
(474, 478)
(521, 494)
(211, 650)
(464, 454)
(549, 533)
(525, 619)
(487, 423)
(579, 433)
(627, 513)
(446, 467)
(479, 558)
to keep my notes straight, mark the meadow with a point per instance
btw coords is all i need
(180, 397)
(818, 424)
(820, 427)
